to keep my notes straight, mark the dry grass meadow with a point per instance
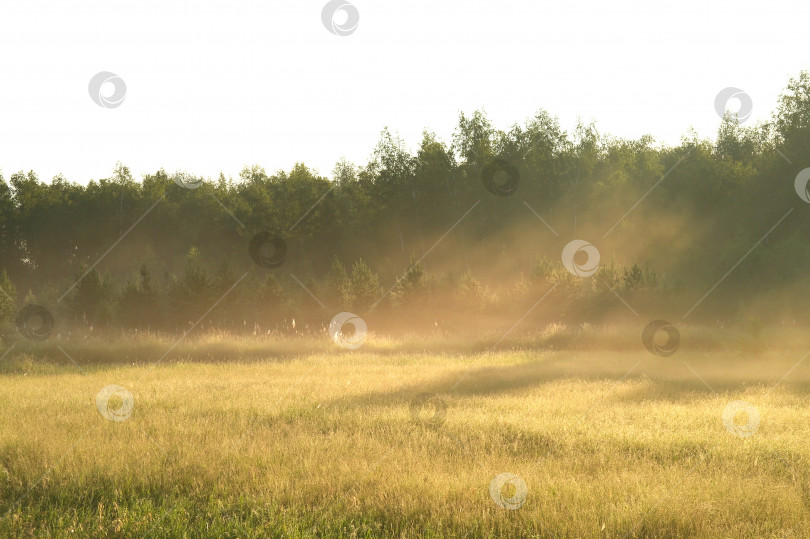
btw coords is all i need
(293, 437)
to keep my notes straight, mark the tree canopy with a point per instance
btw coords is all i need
(478, 222)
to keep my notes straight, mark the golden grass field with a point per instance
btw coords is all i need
(294, 437)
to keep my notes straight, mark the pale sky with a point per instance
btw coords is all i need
(214, 85)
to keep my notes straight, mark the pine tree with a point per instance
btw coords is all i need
(339, 289)
(139, 302)
(92, 302)
(7, 295)
(365, 285)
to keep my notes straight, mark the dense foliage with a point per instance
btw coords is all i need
(435, 229)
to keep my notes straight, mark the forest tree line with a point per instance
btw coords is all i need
(455, 235)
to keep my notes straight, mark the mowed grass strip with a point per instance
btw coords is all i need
(325, 444)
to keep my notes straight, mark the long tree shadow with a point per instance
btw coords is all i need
(634, 380)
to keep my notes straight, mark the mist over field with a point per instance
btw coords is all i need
(504, 331)
(458, 235)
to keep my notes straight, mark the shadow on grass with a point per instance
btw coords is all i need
(666, 380)
(710, 361)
